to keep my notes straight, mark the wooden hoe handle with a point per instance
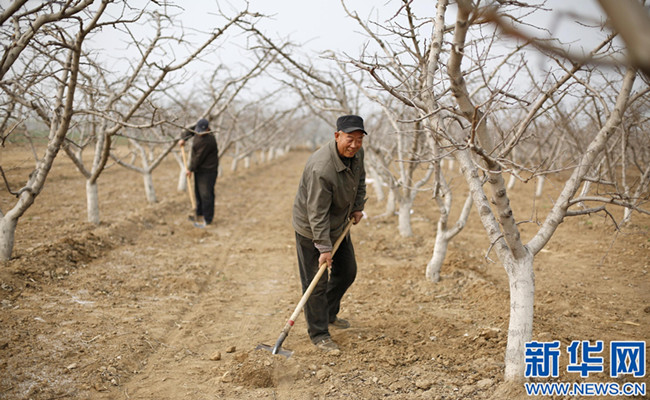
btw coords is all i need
(312, 285)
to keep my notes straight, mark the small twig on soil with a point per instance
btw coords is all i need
(624, 322)
(92, 340)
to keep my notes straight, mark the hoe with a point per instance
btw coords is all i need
(277, 349)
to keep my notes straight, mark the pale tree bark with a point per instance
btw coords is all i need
(377, 182)
(149, 160)
(8, 224)
(92, 202)
(59, 121)
(127, 96)
(391, 202)
(597, 145)
(503, 232)
(416, 92)
(443, 195)
(516, 257)
(405, 152)
(380, 158)
(408, 186)
(39, 16)
(444, 234)
(182, 176)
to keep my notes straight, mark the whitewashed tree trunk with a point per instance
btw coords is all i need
(404, 220)
(585, 190)
(627, 215)
(182, 180)
(444, 236)
(539, 188)
(390, 202)
(62, 111)
(377, 183)
(638, 195)
(247, 162)
(521, 280)
(182, 177)
(517, 259)
(450, 165)
(92, 202)
(235, 158)
(7, 234)
(439, 254)
(149, 189)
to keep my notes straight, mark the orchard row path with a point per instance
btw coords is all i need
(146, 306)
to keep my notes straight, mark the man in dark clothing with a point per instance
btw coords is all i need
(204, 163)
(332, 190)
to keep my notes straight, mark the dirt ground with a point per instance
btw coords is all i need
(145, 306)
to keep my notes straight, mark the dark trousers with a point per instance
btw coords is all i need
(325, 301)
(204, 192)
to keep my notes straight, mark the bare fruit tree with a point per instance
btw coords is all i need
(492, 152)
(50, 58)
(146, 150)
(406, 70)
(115, 102)
(149, 146)
(472, 88)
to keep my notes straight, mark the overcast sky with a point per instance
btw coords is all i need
(321, 25)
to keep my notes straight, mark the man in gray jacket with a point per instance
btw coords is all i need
(332, 190)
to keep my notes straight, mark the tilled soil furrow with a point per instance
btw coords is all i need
(239, 297)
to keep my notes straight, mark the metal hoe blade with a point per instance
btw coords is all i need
(279, 351)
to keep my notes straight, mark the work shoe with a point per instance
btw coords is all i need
(199, 224)
(340, 323)
(327, 345)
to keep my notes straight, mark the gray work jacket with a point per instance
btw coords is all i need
(328, 193)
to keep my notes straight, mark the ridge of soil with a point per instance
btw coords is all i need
(145, 306)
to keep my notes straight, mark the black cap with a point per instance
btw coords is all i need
(202, 125)
(350, 123)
